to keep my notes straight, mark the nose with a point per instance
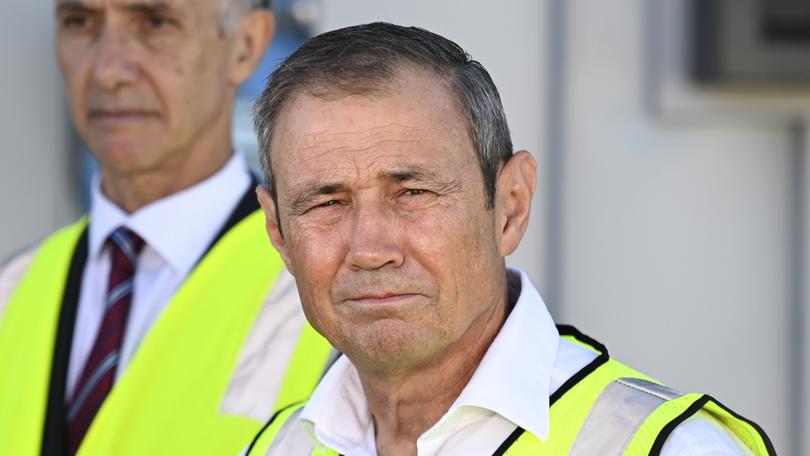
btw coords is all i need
(375, 240)
(114, 64)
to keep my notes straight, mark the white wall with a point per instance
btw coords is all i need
(37, 184)
(676, 238)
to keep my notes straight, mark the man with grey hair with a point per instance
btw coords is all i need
(393, 197)
(163, 322)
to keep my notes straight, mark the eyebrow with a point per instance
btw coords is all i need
(409, 174)
(306, 193)
(141, 6)
(148, 7)
(72, 7)
(311, 191)
(419, 175)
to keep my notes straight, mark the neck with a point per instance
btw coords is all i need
(133, 192)
(135, 189)
(406, 403)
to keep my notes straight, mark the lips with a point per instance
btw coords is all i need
(382, 298)
(119, 116)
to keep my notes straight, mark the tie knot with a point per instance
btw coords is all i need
(127, 242)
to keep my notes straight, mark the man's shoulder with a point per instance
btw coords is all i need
(14, 267)
(12, 270)
(703, 434)
(682, 424)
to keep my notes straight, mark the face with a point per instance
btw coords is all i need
(148, 80)
(384, 222)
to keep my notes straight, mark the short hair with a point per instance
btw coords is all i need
(230, 11)
(366, 60)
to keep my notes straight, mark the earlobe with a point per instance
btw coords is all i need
(515, 190)
(272, 223)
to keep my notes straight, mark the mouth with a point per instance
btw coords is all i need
(382, 299)
(119, 116)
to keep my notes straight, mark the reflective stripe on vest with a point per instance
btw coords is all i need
(584, 415)
(617, 415)
(168, 399)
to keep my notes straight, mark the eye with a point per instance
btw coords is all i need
(415, 198)
(414, 192)
(75, 21)
(327, 204)
(157, 21)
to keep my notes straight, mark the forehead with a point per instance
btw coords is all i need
(128, 4)
(416, 122)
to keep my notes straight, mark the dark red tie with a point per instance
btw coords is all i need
(98, 375)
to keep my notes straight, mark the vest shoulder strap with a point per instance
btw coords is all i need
(27, 340)
(661, 422)
(613, 409)
(267, 435)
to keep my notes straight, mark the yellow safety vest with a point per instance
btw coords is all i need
(606, 408)
(168, 399)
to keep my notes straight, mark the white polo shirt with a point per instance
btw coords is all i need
(526, 363)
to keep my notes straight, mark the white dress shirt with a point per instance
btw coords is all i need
(177, 230)
(527, 361)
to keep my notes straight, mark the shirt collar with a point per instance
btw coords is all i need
(337, 414)
(526, 344)
(202, 209)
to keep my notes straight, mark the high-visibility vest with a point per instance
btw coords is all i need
(168, 400)
(606, 408)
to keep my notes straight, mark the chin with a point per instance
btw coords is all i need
(389, 343)
(123, 157)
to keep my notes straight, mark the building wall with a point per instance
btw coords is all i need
(676, 236)
(37, 168)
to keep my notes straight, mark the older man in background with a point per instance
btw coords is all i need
(394, 196)
(163, 322)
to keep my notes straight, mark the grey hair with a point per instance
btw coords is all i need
(230, 11)
(365, 60)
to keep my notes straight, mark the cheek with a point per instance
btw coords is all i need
(446, 241)
(74, 72)
(315, 257)
(457, 249)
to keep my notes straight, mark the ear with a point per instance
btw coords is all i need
(271, 224)
(251, 38)
(513, 200)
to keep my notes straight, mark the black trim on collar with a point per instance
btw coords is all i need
(267, 425)
(509, 441)
(564, 330)
(659, 442)
(53, 433)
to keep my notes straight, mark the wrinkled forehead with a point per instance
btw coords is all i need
(415, 124)
(129, 4)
